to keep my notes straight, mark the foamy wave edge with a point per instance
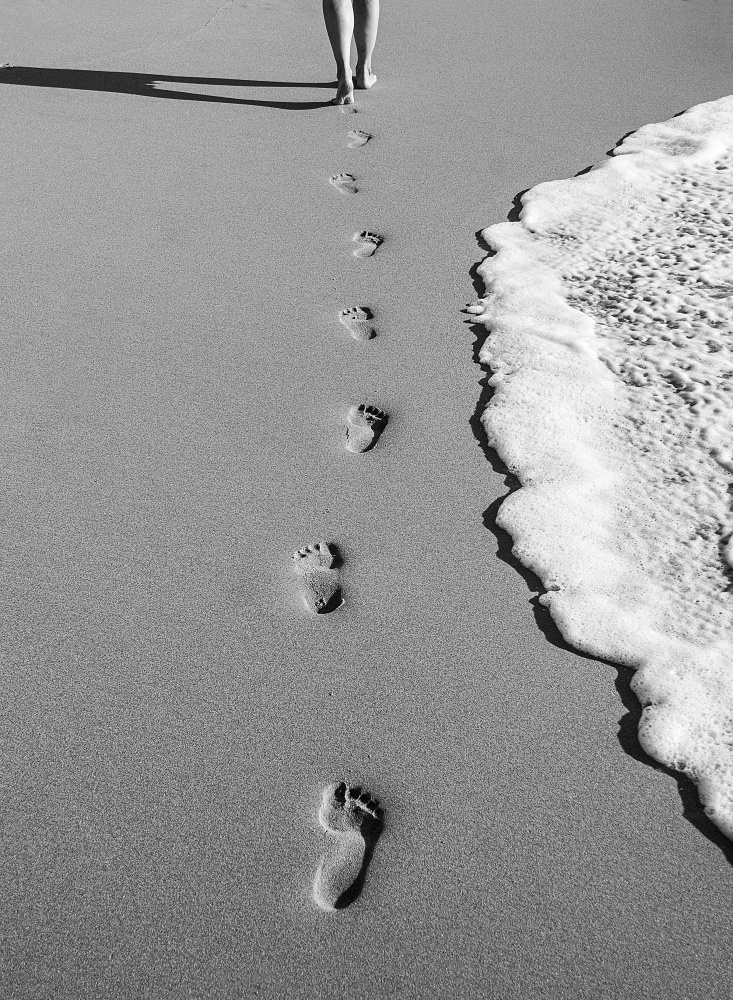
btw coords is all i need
(555, 419)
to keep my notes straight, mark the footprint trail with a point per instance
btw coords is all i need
(353, 822)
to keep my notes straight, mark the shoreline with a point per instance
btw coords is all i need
(177, 389)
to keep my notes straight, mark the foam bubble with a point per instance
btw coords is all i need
(610, 308)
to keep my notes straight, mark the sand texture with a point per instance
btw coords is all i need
(176, 380)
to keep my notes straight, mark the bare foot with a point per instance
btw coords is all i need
(365, 78)
(345, 91)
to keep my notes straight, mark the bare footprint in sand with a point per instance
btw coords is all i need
(366, 243)
(357, 322)
(345, 183)
(353, 822)
(363, 427)
(316, 565)
(357, 138)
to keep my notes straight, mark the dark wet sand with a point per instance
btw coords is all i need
(174, 384)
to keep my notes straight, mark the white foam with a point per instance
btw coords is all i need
(610, 307)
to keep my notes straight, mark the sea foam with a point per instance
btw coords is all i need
(610, 311)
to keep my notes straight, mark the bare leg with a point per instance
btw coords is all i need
(366, 22)
(339, 18)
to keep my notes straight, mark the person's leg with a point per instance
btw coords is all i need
(339, 18)
(366, 22)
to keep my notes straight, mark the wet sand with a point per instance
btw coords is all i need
(175, 391)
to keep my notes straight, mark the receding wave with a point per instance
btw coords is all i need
(610, 311)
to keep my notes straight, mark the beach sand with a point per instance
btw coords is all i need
(175, 390)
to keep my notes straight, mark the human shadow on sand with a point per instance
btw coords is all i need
(148, 85)
(628, 730)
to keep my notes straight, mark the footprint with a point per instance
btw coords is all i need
(366, 243)
(357, 138)
(316, 565)
(345, 183)
(356, 320)
(353, 822)
(364, 425)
